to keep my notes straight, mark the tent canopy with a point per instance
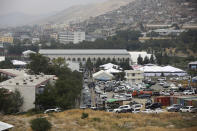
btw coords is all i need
(112, 70)
(102, 75)
(154, 70)
(109, 66)
(18, 63)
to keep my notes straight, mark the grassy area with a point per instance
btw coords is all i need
(102, 121)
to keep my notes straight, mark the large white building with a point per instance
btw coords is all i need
(82, 55)
(71, 37)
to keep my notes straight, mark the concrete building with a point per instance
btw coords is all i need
(82, 55)
(6, 39)
(193, 65)
(27, 85)
(71, 37)
(134, 76)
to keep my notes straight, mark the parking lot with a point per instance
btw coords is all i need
(111, 95)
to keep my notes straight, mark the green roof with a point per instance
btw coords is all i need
(112, 100)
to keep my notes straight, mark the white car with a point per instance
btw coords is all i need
(136, 106)
(136, 110)
(52, 110)
(119, 109)
(188, 92)
(147, 111)
(161, 83)
(158, 110)
(187, 109)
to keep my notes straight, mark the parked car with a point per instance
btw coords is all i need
(174, 108)
(188, 92)
(147, 111)
(136, 106)
(188, 109)
(128, 96)
(109, 110)
(162, 79)
(156, 93)
(136, 110)
(154, 106)
(166, 85)
(122, 108)
(159, 110)
(143, 96)
(161, 83)
(52, 110)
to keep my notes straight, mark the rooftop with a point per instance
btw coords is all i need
(83, 51)
(13, 72)
(194, 62)
(27, 80)
(5, 126)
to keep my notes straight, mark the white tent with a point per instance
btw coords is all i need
(155, 70)
(102, 75)
(28, 52)
(109, 66)
(112, 70)
(18, 63)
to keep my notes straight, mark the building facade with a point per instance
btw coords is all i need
(82, 55)
(192, 65)
(71, 37)
(6, 39)
(134, 76)
(27, 85)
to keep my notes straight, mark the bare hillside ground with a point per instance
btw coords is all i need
(102, 121)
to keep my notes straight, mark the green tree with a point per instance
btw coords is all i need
(40, 124)
(98, 62)
(10, 102)
(146, 60)
(89, 64)
(7, 64)
(152, 59)
(140, 60)
(39, 64)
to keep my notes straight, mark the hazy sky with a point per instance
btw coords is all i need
(39, 6)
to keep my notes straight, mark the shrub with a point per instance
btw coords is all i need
(96, 119)
(84, 115)
(40, 124)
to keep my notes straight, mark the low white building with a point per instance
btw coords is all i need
(134, 76)
(27, 85)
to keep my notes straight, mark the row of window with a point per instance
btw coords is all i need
(94, 59)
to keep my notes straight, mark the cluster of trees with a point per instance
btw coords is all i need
(146, 60)
(66, 90)
(17, 49)
(10, 102)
